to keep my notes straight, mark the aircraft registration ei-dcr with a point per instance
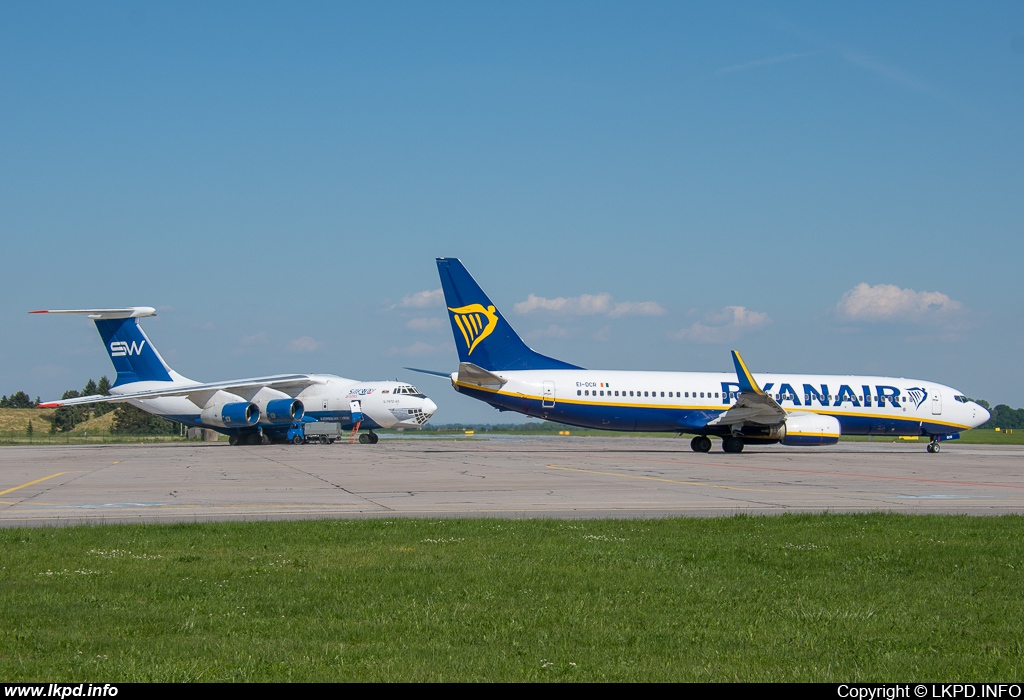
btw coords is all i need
(250, 411)
(496, 366)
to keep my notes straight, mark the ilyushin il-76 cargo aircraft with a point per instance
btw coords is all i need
(250, 411)
(497, 367)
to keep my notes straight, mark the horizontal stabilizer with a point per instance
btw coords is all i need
(128, 312)
(446, 375)
(471, 374)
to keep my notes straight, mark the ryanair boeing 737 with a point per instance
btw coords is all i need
(497, 367)
(250, 411)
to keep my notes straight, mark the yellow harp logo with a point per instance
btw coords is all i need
(475, 322)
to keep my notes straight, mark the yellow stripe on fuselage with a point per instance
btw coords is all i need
(720, 407)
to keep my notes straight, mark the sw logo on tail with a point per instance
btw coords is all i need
(120, 348)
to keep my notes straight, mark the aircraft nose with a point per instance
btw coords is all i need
(429, 407)
(981, 415)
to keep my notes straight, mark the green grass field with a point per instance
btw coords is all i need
(804, 598)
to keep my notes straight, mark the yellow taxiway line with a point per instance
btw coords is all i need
(4, 493)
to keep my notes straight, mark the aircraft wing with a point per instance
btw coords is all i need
(290, 384)
(752, 405)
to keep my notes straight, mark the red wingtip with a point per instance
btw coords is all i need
(53, 404)
(42, 311)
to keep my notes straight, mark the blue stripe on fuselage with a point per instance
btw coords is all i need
(669, 419)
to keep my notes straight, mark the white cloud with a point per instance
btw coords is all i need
(724, 326)
(426, 324)
(589, 305)
(305, 344)
(887, 302)
(423, 300)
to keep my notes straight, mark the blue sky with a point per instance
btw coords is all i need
(827, 188)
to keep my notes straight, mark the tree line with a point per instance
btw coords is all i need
(128, 420)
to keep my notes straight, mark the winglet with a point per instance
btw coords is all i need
(744, 377)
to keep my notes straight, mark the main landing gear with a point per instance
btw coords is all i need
(248, 439)
(732, 444)
(369, 438)
(933, 446)
(701, 443)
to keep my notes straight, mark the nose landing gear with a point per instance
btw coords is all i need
(933, 446)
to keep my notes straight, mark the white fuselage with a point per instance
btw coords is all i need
(328, 399)
(688, 401)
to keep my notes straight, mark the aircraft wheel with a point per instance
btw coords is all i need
(265, 440)
(933, 447)
(233, 440)
(701, 443)
(297, 440)
(364, 439)
(374, 438)
(255, 439)
(732, 444)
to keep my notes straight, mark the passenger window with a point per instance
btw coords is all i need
(579, 393)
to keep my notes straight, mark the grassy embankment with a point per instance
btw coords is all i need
(14, 424)
(805, 598)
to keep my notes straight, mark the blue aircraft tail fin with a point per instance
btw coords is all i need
(482, 335)
(134, 357)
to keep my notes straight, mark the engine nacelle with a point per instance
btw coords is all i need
(809, 429)
(281, 411)
(242, 414)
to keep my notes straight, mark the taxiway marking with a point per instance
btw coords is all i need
(4, 493)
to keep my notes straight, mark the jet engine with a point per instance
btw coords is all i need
(242, 414)
(277, 407)
(281, 411)
(809, 429)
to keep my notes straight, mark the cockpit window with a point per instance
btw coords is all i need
(409, 390)
(961, 398)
